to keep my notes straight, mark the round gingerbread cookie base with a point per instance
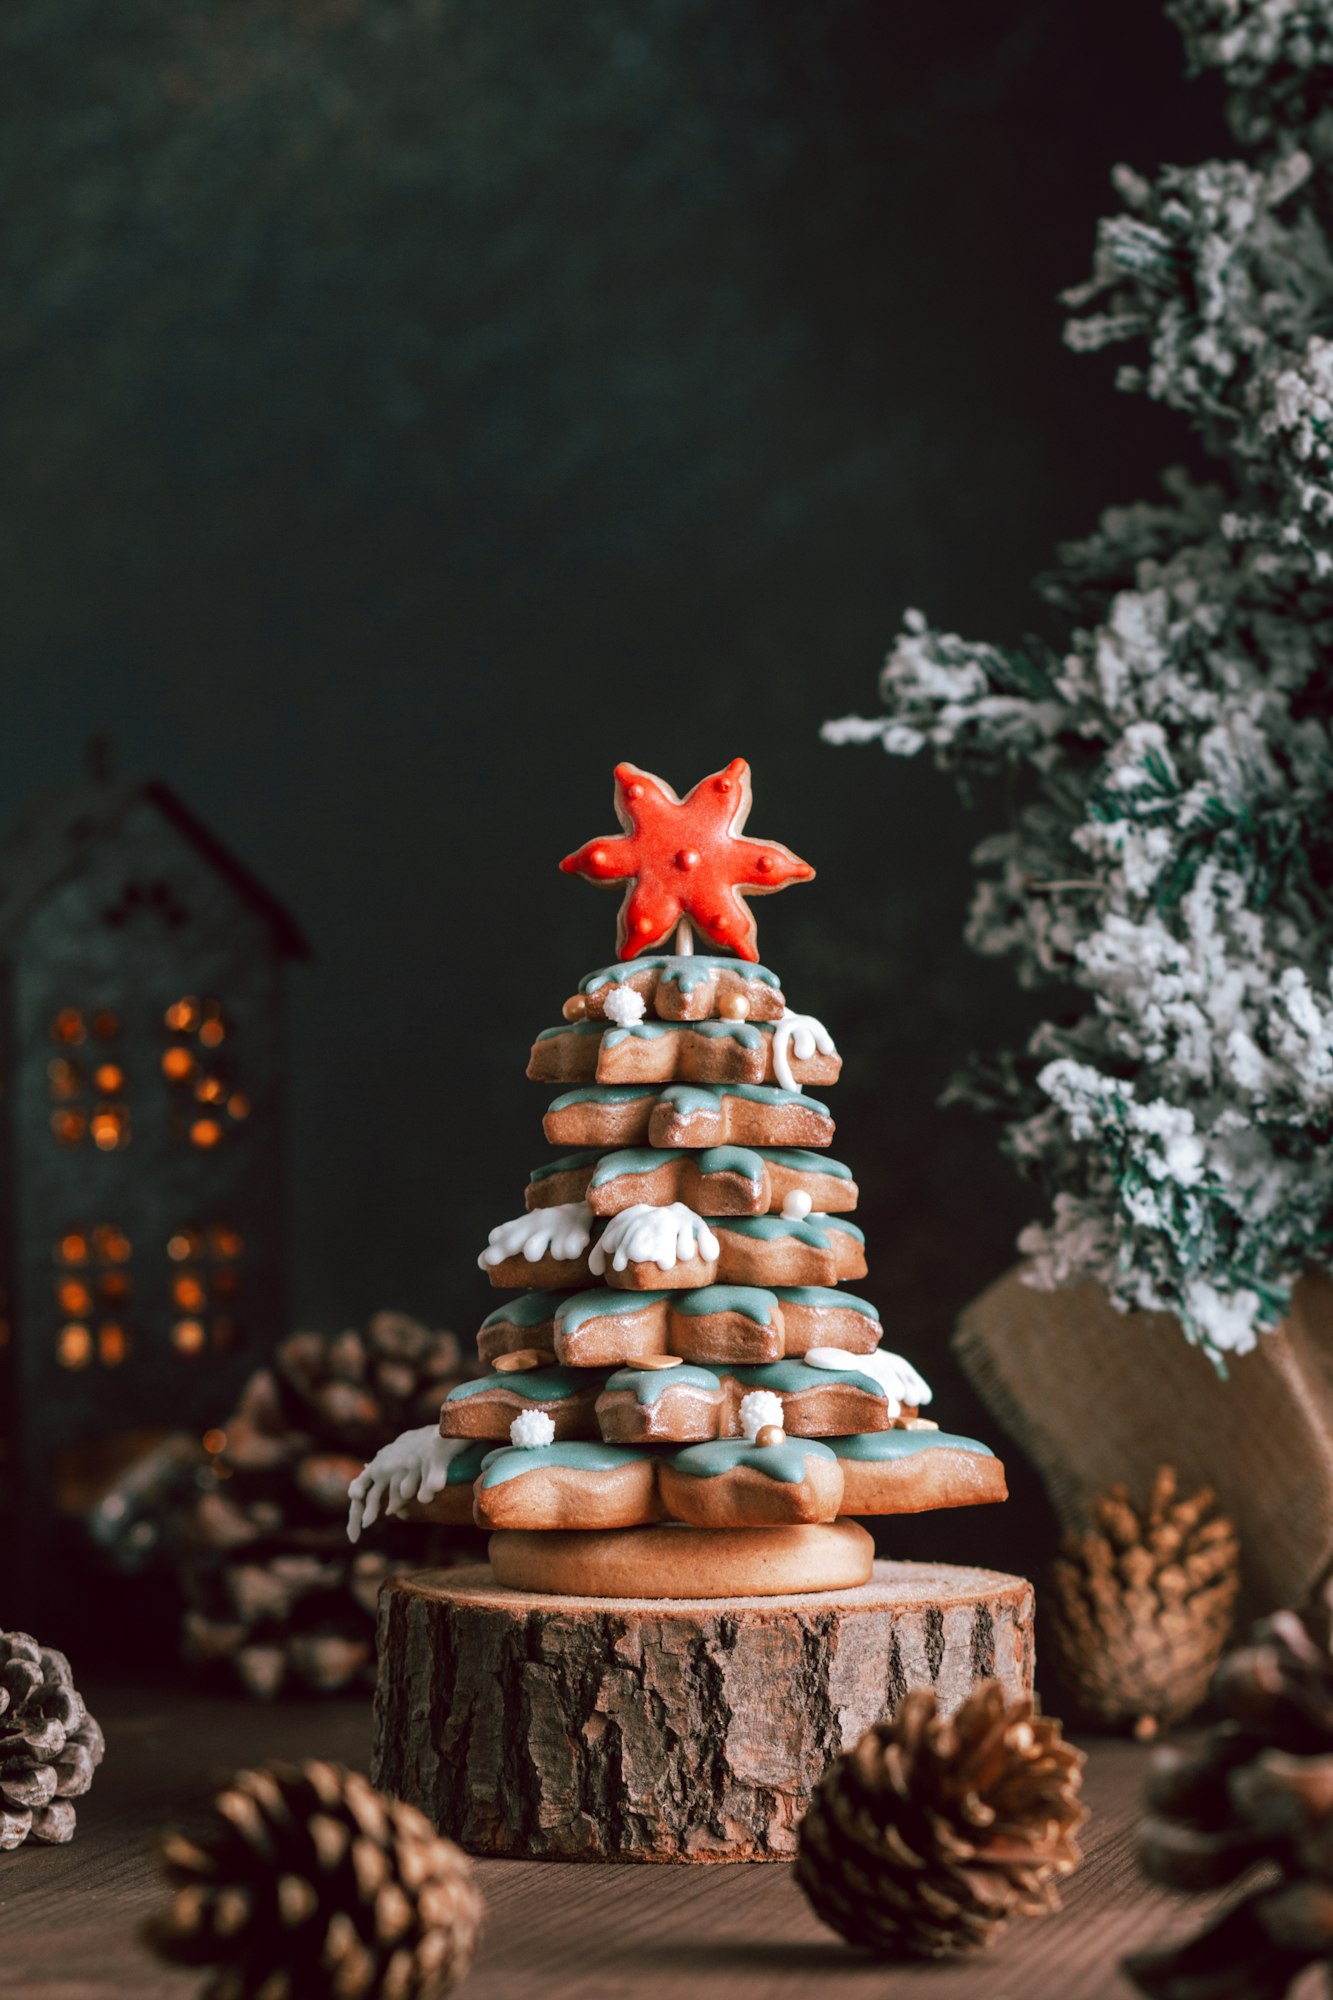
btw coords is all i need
(680, 1729)
(674, 1562)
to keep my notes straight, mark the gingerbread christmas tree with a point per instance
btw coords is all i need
(684, 1400)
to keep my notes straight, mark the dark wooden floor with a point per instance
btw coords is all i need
(555, 1931)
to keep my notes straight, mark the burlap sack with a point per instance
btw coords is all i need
(1092, 1396)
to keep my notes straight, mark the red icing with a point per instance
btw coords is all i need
(686, 858)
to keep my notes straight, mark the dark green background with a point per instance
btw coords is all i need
(413, 406)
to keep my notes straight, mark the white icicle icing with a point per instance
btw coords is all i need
(644, 1235)
(796, 1206)
(802, 1034)
(624, 1006)
(414, 1466)
(564, 1230)
(531, 1429)
(896, 1377)
(759, 1408)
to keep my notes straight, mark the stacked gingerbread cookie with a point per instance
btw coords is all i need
(683, 1398)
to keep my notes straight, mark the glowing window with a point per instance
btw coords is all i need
(114, 1288)
(188, 1335)
(111, 1245)
(72, 1249)
(177, 1065)
(188, 1291)
(65, 1077)
(69, 1126)
(109, 1078)
(105, 1025)
(185, 1243)
(74, 1347)
(68, 1027)
(205, 1133)
(110, 1127)
(74, 1297)
(182, 1017)
(112, 1343)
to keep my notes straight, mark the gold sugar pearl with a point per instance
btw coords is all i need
(658, 1361)
(575, 1009)
(735, 1007)
(770, 1434)
(521, 1360)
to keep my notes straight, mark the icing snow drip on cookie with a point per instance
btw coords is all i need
(624, 1006)
(802, 1034)
(531, 1429)
(759, 1409)
(897, 1377)
(642, 1235)
(564, 1230)
(415, 1466)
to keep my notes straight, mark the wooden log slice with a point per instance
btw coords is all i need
(693, 1729)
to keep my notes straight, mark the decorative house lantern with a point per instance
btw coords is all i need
(141, 1143)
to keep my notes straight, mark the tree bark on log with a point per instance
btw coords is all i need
(624, 1729)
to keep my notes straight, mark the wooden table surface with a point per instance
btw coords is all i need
(556, 1931)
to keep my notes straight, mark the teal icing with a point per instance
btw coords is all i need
(740, 1160)
(752, 1302)
(873, 1445)
(789, 1378)
(650, 1383)
(566, 1164)
(579, 1307)
(826, 1295)
(747, 1033)
(467, 1463)
(571, 1028)
(603, 1093)
(784, 1462)
(539, 1385)
(707, 1096)
(524, 1309)
(803, 1162)
(814, 1229)
(512, 1461)
(687, 973)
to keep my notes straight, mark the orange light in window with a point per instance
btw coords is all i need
(225, 1283)
(68, 1126)
(74, 1349)
(185, 1243)
(109, 1078)
(182, 1017)
(66, 1079)
(178, 1065)
(226, 1242)
(188, 1335)
(110, 1127)
(188, 1293)
(114, 1288)
(72, 1249)
(212, 1034)
(105, 1025)
(110, 1244)
(205, 1132)
(239, 1106)
(68, 1026)
(210, 1090)
(112, 1343)
(74, 1297)
(215, 1441)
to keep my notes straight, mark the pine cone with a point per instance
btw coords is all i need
(929, 1835)
(309, 1885)
(1140, 1607)
(270, 1582)
(49, 1744)
(1258, 1787)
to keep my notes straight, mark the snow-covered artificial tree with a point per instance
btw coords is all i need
(1174, 858)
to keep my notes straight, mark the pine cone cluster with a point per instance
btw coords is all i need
(1257, 1788)
(309, 1885)
(49, 1744)
(928, 1836)
(1140, 1606)
(271, 1584)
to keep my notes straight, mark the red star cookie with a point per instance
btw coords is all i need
(686, 858)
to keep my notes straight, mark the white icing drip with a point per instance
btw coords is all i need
(895, 1376)
(796, 1206)
(564, 1230)
(414, 1466)
(644, 1235)
(624, 1006)
(803, 1034)
(758, 1408)
(531, 1429)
